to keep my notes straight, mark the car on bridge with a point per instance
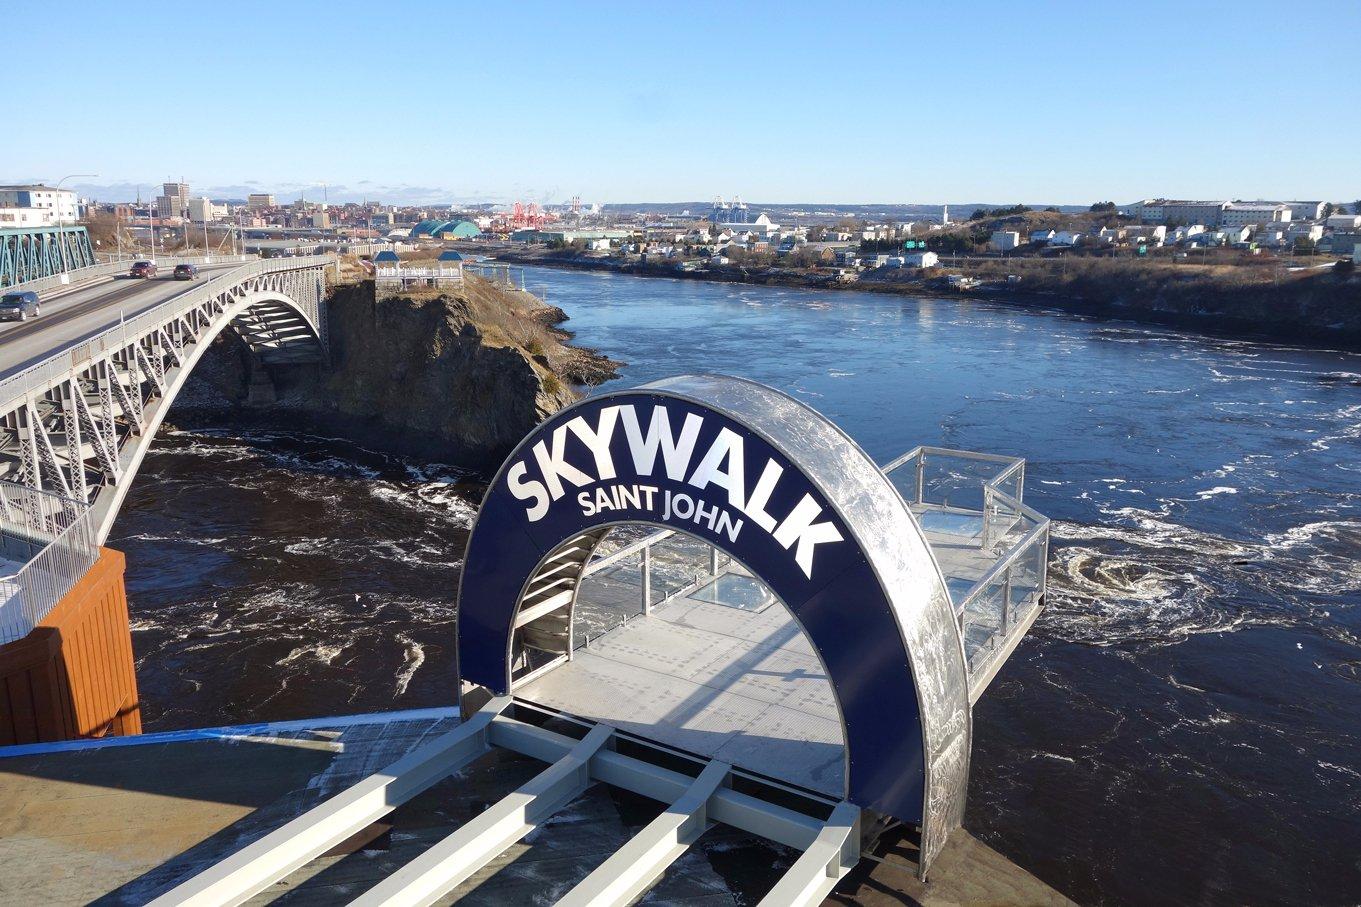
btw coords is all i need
(186, 272)
(143, 269)
(18, 306)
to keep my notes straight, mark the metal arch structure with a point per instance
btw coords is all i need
(787, 494)
(28, 254)
(79, 422)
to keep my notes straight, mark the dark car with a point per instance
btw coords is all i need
(18, 306)
(186, 272)
(143, 269)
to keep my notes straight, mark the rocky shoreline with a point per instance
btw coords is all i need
(1321, 309)
(458, 376)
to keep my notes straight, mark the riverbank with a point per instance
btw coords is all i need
(456, 375)
(1320, 308)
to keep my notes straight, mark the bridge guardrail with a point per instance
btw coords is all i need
(104, 269)
(55, 367)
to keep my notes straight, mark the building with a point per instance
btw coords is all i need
(1175, 211)
(258, 200)
(923, 259)
(1302, 230)
(458, 229)
(1065, 238)
(203, 210)
(173, 200)
(1344, 222)
(1005, 240)
(1342, 242)
(1041, 237)
(36, 205)
(1305, 210)
(1254, 214)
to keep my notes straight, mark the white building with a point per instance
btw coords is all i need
(1154, 235)
(1305, 210)
(1344, 222)
(1041, 236)
(1311, 232)
(1005, 240)
(1254, 214)
(921, 259)
(1182, 234)
(202, 209)
(1065, 238)
(761, 226)
(257, 200)
(38, 206)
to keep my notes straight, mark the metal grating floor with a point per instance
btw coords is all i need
(742, 687)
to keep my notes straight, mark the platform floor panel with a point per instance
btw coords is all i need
(744, 687)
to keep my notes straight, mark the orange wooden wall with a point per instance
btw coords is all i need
(73, 676)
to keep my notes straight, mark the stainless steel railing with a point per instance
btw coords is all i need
(52, 538)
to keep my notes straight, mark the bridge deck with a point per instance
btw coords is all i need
(77, 312)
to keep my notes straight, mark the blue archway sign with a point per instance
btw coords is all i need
(776, 485)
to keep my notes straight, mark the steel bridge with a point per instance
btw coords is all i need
(78, 418)
(34, 253)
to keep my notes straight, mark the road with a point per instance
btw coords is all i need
(76, 313)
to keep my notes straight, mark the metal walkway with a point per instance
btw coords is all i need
(698, 793)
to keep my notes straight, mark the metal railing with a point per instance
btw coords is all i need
(993, 609)
(60, 363)
(53, 537)
(992, 486)
(962, 480)
(117, 266)
(631, 580)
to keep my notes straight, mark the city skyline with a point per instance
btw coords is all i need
(894, 105)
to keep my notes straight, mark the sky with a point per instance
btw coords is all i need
(1050, 103)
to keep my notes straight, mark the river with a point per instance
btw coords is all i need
(1183, 724)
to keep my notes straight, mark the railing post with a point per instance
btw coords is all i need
(921, 475)
(713, 560)
(646, 570)
(1006, 603)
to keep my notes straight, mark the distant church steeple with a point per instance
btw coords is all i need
(945, 216)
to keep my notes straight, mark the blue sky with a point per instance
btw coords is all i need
(879, 102)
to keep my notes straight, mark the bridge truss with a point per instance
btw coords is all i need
(34, 253)
(79, 422)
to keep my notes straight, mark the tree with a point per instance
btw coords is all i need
(1328, 209)
(978, 214)
(1103, 208)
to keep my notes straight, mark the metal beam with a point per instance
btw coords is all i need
(450, 862)
(637, 866)
(261, 864)
(831, 856)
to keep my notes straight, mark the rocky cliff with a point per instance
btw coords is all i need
(459, 375)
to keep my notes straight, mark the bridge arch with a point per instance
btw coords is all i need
(264, 304)
(785, 492)
(80, 422)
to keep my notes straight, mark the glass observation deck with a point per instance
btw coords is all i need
(673, 640)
